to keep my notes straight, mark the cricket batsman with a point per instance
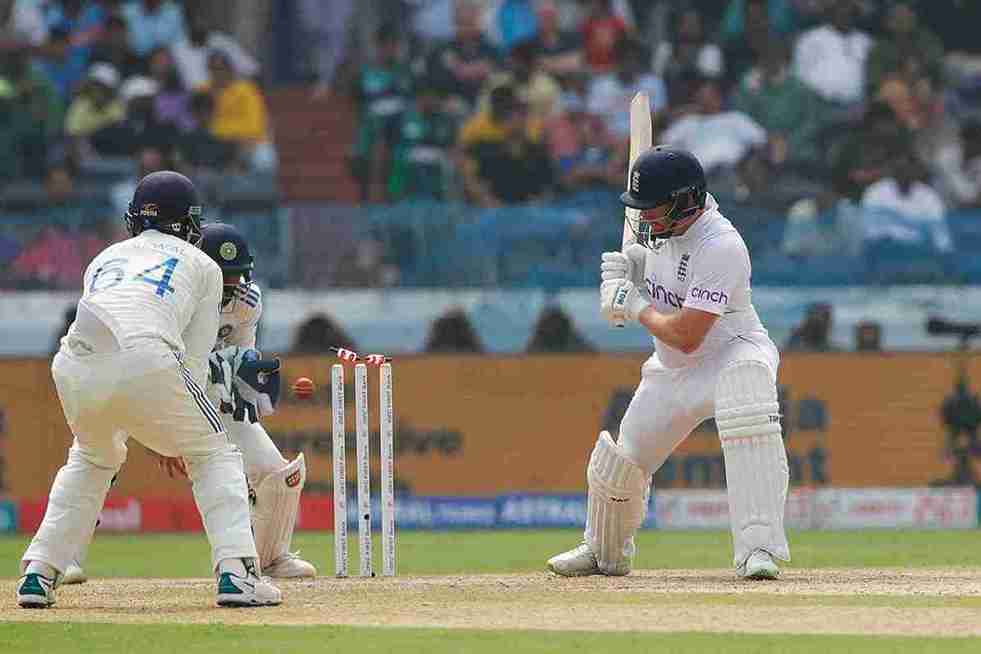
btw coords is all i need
(133, 365)
(687, 282)
(275, 484)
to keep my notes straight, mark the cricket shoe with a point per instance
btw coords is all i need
(290, 566)
(759, 565)
(74, 574)
(35, 591)
(581, 562)
(236, 590)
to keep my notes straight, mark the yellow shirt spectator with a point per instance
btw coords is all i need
(240, 113)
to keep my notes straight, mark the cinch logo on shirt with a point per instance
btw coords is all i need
(718, 297)
(659, 292)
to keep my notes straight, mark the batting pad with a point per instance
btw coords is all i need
(277, 502)
(748, 418)
(616, 506)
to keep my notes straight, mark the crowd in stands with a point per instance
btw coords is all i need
(105, 91)
(805, 107)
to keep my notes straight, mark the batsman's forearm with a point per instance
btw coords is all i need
(669, 329)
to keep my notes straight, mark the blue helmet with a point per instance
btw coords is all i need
(226, 245)
(665, 176)
(167, 202)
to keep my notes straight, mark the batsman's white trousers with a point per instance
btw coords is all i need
(670, 402)
(143, 393)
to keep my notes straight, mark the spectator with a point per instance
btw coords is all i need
(382, 91)
(779, 16)
(240, 115)
(814, 333)
(113, 48)
(191, 54)
(602, 31)
(96, 105)
(831, 58)
(609, 95)
(905, 69)
(583, 153)
(421, 160)
(555, 333)
(533, 86)
(171, 104)
(198, 147)
(688, 56)
(959, 165)
(720, 139)
(743, 46)
(514, 22)
(327, 25)
(772, 96)
(153, 24)
(31, 117)
(22, 24)
(863, 156)
(463, 65)
(502, 164)
(908, 49)
(452, 332)
(561, 51)
(908, 195)
(74, 27)
(318, 333)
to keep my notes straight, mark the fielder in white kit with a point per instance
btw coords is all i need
(133, 365)
(276, 483)
(687, 281)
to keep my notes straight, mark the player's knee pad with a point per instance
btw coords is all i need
(274, 513)
(617, 503)
(747, 415)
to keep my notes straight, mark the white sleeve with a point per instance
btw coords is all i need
(808, 49)
(750, 131)
(719, 267)
(244, 334)
(199, 335)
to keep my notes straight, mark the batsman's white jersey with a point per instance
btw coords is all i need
(707, 268)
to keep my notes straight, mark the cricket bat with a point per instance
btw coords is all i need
(641, 140)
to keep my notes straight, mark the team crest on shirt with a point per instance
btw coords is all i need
(683, 267)
(657, 245)
(224, 331)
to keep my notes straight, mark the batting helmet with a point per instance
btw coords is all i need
(167, 202)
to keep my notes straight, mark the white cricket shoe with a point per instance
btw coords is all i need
(581, 562)
(290, 566)
(35, 591)
(235, 590)
(759, 565)
(74, 574)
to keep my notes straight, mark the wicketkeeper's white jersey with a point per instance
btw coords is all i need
(707, 268)
(239, 318)
(153, 286)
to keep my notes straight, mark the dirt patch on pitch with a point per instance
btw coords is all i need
(897, 602)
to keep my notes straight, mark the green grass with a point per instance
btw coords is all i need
(192, 639)
(172, 555)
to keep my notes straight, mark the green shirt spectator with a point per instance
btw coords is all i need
(421, 154)
(908, 50)
(788, 110)
(31, 117)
